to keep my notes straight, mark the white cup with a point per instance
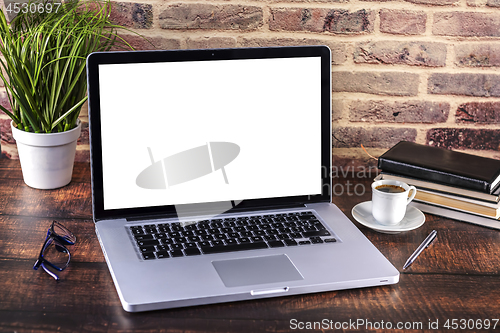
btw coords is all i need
(389, 208)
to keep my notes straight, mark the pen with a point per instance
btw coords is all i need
(421, 248)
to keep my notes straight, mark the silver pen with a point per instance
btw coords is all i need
(421, 248)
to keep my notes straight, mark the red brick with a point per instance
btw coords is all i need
(406, 53)
(338, 106)
(339, 51)
(483, 85)
(478, 112)
(210, 42)
(399, 112)
(132, 15)
(466, 24)
(345, 22)
(435, 2)
(152, 43)
(478, 55)
(464, 138)
(381, 83)
(402, 22)
(208, 16)
(375, 137)
(337, 21)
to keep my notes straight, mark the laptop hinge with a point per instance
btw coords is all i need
(231, 211)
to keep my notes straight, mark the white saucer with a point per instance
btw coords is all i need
(413, 219)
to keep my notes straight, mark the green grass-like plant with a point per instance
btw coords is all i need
(44, 58)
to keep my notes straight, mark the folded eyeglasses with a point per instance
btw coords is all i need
(54, 255)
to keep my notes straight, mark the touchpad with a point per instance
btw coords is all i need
(258, 270)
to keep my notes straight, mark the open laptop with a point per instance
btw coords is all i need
(211, 177)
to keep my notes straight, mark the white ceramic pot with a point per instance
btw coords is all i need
(46, 158)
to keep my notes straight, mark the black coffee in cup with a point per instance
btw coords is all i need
(390, 188)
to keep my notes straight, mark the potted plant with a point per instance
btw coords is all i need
(44, 51)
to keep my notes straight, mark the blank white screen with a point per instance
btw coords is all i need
(271, 108)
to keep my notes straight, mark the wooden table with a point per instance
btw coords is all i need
(455, 281)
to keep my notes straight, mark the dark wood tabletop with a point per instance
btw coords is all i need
(453, 285)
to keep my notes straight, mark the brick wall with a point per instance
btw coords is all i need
(418, 70)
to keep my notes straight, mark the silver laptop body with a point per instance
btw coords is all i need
(204, 145)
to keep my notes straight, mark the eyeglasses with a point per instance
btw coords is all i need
(54, 253)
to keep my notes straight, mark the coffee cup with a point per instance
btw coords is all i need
(389, 200)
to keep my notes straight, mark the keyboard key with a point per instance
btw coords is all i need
(150, 242)
(162, 254)
(187, 233)
(308, 234)
(138, 231)
(304, 242)
(148, 255)
(162, 248)
(192, 251)
(167, 241)
(175, 226)
(259, 233)
(164, 229)
(290, 242)
(330, 240)
(193, 239)
(316, 240)
(160, 235)
(276, 244)
(190, 227)
(219, 236)
(141, 237)
(145, 249)
(234, 247)
(176, 246)
(176, 253)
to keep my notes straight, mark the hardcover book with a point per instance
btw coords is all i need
(457, 215)
(459, 203)
(442, 166)
(422, 184)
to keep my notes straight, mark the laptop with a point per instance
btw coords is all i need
(211, 177)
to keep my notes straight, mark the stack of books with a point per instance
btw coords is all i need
(452, 184)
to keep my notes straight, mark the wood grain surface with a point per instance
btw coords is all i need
(457, 277)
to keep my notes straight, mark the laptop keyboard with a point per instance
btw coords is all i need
(168, 240)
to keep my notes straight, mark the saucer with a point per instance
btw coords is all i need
(413, 219)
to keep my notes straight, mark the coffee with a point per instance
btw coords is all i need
(386, 188)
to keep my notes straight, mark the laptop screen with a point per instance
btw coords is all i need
(197, 130)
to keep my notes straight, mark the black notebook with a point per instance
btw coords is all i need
(442, 166)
